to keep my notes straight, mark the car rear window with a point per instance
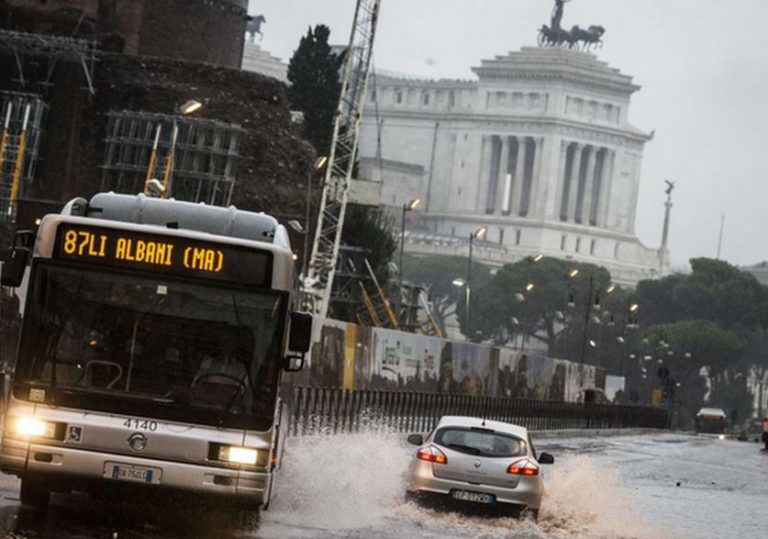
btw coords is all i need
(480, 442)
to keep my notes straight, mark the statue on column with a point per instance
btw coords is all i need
(663, 250)
(556, 36)
(669, 189)
(253, 27)
(557, 14)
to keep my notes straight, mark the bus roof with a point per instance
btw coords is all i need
(140, 209)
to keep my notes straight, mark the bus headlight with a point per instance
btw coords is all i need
(238, 454)
(31, 427)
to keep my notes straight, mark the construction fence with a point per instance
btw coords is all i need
(347, 356)
(332, 410)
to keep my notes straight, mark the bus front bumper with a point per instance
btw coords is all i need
(64, 467)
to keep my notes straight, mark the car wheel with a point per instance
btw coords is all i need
(530, 513)
(520, 512)
(34, 493)
(410, 496)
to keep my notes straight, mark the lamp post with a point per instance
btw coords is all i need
(630, 322)
(412, 205)
(185, 109)
(479, 234)
(523, 298)
(592, 298)
(461, 283)
(317, 166)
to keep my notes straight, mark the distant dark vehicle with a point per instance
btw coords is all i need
(711, 421)
(765, 432)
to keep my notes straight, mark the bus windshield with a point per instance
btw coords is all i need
(92, 336)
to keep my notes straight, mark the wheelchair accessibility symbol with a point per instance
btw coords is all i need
(74, 434)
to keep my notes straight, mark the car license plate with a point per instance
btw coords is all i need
(476, 497)
(128, 472)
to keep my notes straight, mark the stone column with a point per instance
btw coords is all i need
(537, 182)
(502, 192)
(605, 187)
(493, 175)
(573, 181)
(589, 182)
(517, 185)
(598, 187)
(555, 205)
(484, 174)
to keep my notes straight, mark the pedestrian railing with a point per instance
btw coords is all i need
(332, 410)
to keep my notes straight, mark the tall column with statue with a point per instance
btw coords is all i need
(664, 260)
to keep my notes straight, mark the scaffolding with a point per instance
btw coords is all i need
(201, 156)
(50, 49)
(22, 117)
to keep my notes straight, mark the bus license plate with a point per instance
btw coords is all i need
(473, 496)
(127, 472)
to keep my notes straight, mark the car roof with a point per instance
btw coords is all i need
(711, 411)
(466, 421)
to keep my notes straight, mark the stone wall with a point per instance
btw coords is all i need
(209, 31)
(274, 159)
(204, 30)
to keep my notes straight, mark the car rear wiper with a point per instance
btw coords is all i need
(466, 449)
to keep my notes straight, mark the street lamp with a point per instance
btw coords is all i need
(479, 234)
(412, 205)
(461, 283)
(522, 298)
(630, 322)
(188, 107)
(316, 167)
(588, 303)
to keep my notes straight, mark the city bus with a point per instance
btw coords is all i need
(154, 338)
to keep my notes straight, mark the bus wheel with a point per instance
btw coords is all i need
(247, 518)
(34, 492)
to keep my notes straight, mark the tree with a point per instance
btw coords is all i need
(715, 291)
(506, 307)
(686, 349)
(370, 228)
(313, 72)
(436, 273)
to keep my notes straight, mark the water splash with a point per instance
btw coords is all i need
(586, 497)
(338, 482)
(352, 485)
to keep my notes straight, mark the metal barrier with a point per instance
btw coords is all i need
(333, 410)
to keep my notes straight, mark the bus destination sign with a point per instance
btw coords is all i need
(165, 254)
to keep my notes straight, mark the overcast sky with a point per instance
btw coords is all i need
(701, 63)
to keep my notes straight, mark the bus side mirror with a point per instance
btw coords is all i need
(13, 266)
(301, 332)
(299, 340)
(16, 260)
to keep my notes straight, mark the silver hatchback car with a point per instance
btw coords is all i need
(469, 460)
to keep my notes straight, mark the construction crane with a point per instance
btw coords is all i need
(318, 283)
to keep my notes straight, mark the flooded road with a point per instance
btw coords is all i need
(664, 485)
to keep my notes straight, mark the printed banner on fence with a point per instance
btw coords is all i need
(355, 357)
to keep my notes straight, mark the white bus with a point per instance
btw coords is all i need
(153, 341)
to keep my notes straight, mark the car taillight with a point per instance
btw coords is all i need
(523, 467)
(432, 454)
(765, 422)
